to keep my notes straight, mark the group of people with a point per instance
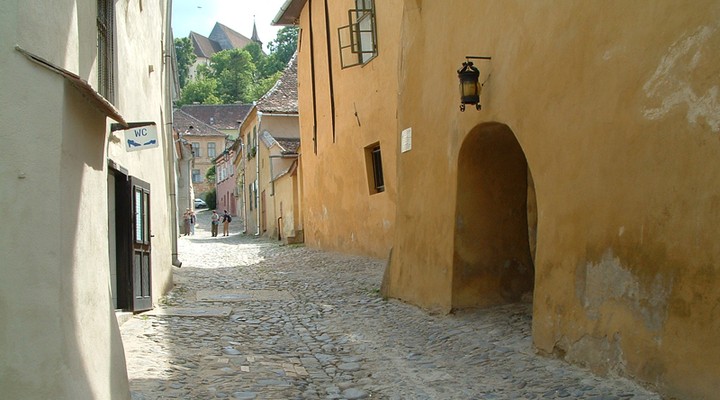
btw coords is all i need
(189, 220)
(215, 221)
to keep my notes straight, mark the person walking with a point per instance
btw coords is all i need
(186, 222)
(193, 221)
(226, 219)
(214, 221)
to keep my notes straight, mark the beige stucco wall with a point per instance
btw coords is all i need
(614, 105)
(203, 162)
(59, 337)
(281, 126)
(339, 212)
(283, 201)
(250, 171)
(266, 208)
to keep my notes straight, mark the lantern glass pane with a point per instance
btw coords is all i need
(469, 88)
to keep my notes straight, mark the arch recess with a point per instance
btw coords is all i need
(495, 221)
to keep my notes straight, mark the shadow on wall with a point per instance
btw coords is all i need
(83, 165)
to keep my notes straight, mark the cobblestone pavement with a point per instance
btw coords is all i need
(250, 319)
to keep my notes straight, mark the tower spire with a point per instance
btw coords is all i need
(255, 38)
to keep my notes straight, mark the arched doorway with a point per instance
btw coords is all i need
(495, 221)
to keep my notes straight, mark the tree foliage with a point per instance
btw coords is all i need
(200, 91)
(234, 72)
(282, 49)
(240, 75)
(185, 58)
(211, 199)
(210, 175)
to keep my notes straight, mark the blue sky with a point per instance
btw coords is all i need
(200, 16)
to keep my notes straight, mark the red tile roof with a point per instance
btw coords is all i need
(283, 97)
(219, 116)
(187, 125)
(203, 46)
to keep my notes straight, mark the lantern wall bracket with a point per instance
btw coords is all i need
(469, 88)
(478, 58)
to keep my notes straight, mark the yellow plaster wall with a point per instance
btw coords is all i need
(615, 107)
(286, 195)
(339, 212)
(249, 170)
(281, 126)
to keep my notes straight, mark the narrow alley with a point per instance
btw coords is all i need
(250, 319)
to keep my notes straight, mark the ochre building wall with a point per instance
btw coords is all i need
(340, 115)
(614, 106)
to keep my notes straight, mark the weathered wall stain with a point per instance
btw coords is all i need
(608, 280)
(674, 85)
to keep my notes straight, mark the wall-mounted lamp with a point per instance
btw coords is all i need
(469, 87)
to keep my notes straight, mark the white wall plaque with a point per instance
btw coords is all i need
(406, 140)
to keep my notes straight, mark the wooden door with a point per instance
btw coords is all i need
(141, 266)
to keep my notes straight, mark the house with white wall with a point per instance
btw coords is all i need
(91, 229)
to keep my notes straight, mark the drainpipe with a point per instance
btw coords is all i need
(169, 49)
(257, 173)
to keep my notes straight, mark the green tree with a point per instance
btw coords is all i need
(234, 72)
(185, 57)
(211, 198)
(264, 84)
(257, 54)
(238, 75)
(202, 90)
(210, 175)
(282, 49)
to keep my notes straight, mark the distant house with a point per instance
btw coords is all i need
(226, 189)
(185, 190)
(224, 117)
(221, 38)
(269, 161)
(206, 143)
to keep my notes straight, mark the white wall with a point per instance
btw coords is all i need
(59, 338)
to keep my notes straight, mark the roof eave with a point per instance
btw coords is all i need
(289, 13)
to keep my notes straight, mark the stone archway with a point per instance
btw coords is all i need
(495, 221)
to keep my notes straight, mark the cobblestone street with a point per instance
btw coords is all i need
(250, 319)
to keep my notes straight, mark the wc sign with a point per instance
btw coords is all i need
(141, 137)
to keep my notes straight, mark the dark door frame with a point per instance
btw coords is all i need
(132, 257)
(141, 256)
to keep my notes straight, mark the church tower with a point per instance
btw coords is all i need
(255, 38)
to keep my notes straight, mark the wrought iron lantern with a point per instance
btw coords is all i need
(470, 88)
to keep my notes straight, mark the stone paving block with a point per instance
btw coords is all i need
(243, 295)
(190, 312)
(298, 323)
